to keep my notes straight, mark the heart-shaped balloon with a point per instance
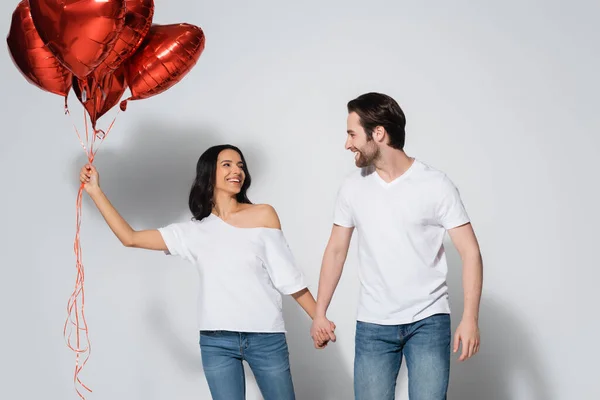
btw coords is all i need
(167, 54)
(80, 33)
(99, 96)
(32, 58)
(138, 19)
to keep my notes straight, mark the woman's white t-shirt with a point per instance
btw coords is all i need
(243, 272)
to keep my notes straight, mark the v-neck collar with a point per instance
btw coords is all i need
(387, 185)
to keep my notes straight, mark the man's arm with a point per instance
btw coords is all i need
(331, 271)
(467, 333)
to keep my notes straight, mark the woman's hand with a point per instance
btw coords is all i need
(90, 178)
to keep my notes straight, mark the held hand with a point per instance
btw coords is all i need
(320, 341)
(322, 331)
(467, 333)
(319, 344)
(90, 178)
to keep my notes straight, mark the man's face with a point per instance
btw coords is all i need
(365, 150)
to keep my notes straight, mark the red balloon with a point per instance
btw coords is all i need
(99, 96)
(138, 19)
(33, 59)
(80, 33)
(167, 54)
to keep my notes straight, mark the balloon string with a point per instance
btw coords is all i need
(76, 320)
(100, 134)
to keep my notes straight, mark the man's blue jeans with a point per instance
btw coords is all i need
(266, 353)
(378, 356)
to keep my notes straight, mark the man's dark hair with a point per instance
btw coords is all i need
(377, 109)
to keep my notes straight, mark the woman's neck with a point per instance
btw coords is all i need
(225, 205)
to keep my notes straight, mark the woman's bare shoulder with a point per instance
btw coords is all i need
(262, 216)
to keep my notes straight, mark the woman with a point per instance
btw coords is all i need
(244, 264)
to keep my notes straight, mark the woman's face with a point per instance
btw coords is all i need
(230, 172)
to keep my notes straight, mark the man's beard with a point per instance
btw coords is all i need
(366, 160)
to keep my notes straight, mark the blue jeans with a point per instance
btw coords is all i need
(266, 353)
(378, 356)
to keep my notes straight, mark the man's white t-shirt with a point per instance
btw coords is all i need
(401, 227)
(243, 272)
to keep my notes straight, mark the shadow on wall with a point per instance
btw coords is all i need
(148, 181)
(161, 324)
(507, 364)
(149, 177)
(317, 374)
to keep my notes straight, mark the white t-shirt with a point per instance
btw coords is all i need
(401, 227)
(243, 272)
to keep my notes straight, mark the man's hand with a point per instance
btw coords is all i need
(467, 333)
(322, 331)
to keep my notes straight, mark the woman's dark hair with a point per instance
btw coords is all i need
(377, 109)
(201, 194)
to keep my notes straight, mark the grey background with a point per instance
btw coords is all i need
(502, 96)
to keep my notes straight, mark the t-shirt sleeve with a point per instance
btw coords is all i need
(342, 214)
(451, 211)
(176, 237)
(280, 264)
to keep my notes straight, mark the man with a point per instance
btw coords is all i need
(402, 209)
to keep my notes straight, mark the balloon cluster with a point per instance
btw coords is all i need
(99, 48)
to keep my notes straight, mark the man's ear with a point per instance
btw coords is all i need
(379, 134)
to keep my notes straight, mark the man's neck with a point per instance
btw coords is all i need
(392, 164)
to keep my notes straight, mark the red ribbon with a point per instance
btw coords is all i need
(76, 323)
